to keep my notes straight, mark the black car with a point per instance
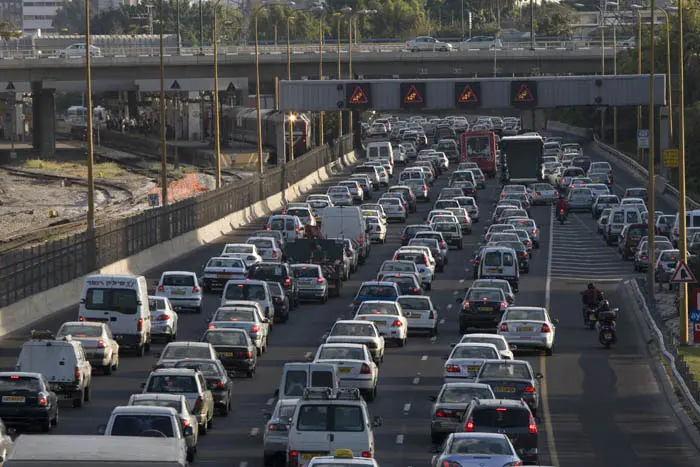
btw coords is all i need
(482, 308)
(408, 195)
(277, 272)
(521, 252)
(218, 381)
(476, 261)
(451, 232)
(280, 300)
(468, 189)
(234, 348)
(410, 231)
(26, 401)
(434, 247)
(407, 284)
(581, 161)
(511, 417)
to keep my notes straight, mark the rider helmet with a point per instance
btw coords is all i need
(591, 286)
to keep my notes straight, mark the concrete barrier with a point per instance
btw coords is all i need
(38, 306)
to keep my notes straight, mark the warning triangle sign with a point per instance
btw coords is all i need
(175, 85)
(358, 96)
(524, 94)
(682, 275)
(10, 86)
(468, 96)
(231, 87)
(413, 96)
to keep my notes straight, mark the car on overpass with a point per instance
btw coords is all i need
(480, 43)
(428, 44)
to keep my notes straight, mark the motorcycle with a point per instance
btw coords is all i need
(607, 334)
(589, 317)
(561, 217)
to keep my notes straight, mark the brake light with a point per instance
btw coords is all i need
(211, 326)
(545, 328)
(537, 193)
(186, 423)
(139, 325)
(431, 315)
(466, 304)
(362, 239)
(532, 426)
(311, 218)
(287, 282)
(277, 427)
(81, 319)
(198, 405)
(529, 390)
(442, 244)
(219, 385)
(77, 373)
(469, 427)
(365, 370)
(100, 344)
(255, 328)
(366, 454)
(415, 289)
(451, 368)
(425, 188)
(503, 304)
(504, 327)
(296, 229)
(320, 280)
(267, 228)
(43, 402)
(160, 288)
(274, 254)
(195, 289)
(397, 323)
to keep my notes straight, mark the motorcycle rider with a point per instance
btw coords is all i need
(591, 298)
(562, 205)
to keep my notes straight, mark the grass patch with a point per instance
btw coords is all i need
(691, 355)
(74, 169)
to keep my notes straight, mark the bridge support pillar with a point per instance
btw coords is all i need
(132, 104)
(44, 122)
(357, 133)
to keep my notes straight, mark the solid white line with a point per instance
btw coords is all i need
(254, 431)
(416, 380)
(407, 407)
(270, 401)
(399, 439)
(424, 358)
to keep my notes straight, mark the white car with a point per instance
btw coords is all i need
(480, 43)
(164, 319)
(393, 207)
(377, 228)
(387, 316)
(378, 210)
(358, 195)
(528, 327)
(340, 195)
(465, 360)
(78, 50)
(378, 129)
(266, 247)
(431, 263)
(247, 316)
(420, 313)
(500, 342)
(598, 189)
(182, 289)
(381, 170)
(319, 202)
(356, 368)
(100, 347)
(358, 332)
(248, 253)
(221, 269)
(176, 351)
(428, 44)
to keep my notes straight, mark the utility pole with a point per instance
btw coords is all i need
(532, 24)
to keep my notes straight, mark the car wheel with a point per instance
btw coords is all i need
(203, 429)
(54, 422)
(436, 438)
(190, 455)
(80, 399)
(88, 393)
(371, 395)
(250, 373)
(549, 352)
(210, 422)
(107, 369)
(46, 426)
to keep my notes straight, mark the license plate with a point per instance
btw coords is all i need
(226, 354)
(606, 335)
(379, 323)
(592, 317)
(505, 389)
(344, 370)
(525, 329)
(310, 455)
(495, 271)
(223, 276)
(178, 292)
(485, 308)
(473, 368)
(14, 399)
(414, 315)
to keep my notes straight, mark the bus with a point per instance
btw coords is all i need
(521, 158)
(480, 147)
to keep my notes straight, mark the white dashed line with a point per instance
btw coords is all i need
(399, 439)
(407, 407)
(254, 431)
(461, 281)
(424, 358)
(416, 380)
(450, 306)
(243, 464)
(308, 355)
(270, 401)
(433, 339)
(442, 321)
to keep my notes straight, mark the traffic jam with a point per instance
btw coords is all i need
(463, 193)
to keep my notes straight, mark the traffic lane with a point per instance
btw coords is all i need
(609, 410)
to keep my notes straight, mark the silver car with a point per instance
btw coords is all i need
(312, 284)
(427, 44)
(530, 226)
(101, 350)
(276, 432)
(450, 404)
(542, 193)
(164, 319)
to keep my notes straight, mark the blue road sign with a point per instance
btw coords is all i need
(695, 316)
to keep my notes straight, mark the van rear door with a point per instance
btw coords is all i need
(115, 302)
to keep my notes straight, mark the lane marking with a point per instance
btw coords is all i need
(551, 444)
(270, 401)
(416, 380)
(449, 307)
(399, 439)
(461, 281)
(433, 339)
(243, 464)
(407, 408)
(254, 431)
(424, 358)
(308, 355)
(442, 321)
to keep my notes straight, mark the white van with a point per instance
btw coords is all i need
(297, 376)
(121, 301)
(347, 222)
(500, 262)
(619, 217)
(326, 420)
(90, 450)
(692, 220)
(380, 150)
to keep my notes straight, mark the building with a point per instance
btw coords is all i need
(38, 15)
(11, 11)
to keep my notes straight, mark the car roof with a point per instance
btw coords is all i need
(88, 323)
(135, 409)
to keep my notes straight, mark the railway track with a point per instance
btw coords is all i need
(69, 224)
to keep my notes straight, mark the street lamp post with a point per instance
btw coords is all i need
(340, 112)
(637, 9)
(652, 151)
(257, 98)
(682, 245)
(615, 5)
(90, 146)
(666, 12)
(292, 118)
(320, 75)
(215, 97)
(161, 108)
(289, 47)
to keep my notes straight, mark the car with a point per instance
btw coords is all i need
(604, 201)
(312, 283)
(408, 195)
(420, 187)
(409, 282)
(390, 267)
(182, 289)
(580, 199)
(176, 351)
(247, 291)
(355, 190)
(665, 265)
(100, 348)
(220, 270)
(218, 381)
(543, 193)
(500, 342)
(281, 301)
(598, 189)
(190, 383)
(466, 359)
(394, 208)
(358, 332)
(512, 420)
(319, 202)
(277, 272)
(27, 402)
(355, 364)
(637, 192)
(496, 229)
(630, 237)
(498, 284)
(365, 183)
(78, 50)
(420, 312)
(388, 318)
(276, 434)
(179, 404)
(267, 248)
(490, 449)
(451, 233)
(602, 222)
(481, 308)
(342, 458)
(480, 42)
(525, 240)
(423, 260)
(530, 225)
(276, 234)
(377, 229)
(512, 379)
(529, 328)
(518, 247)
(450, 404)
(435, 243)
(340, 195)
(248, 253)
(428, 44)
(641, 256)
(247, 317)
(410, 231)
(469, 203)
(290, 227)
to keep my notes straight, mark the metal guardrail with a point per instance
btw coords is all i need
(135, 50)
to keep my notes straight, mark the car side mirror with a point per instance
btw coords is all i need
(539, 376)
(276, 393)
(102, 429)
(188, 431)
(377, 422)
(509, 300)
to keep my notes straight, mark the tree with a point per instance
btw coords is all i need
(8, 30)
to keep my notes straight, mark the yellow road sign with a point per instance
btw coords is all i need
(670, 158)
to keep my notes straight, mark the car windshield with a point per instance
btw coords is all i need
(498, 342)
(468, 351)
(235, 314)
(246, 249)
(381, 291)
(464, 395)
(335, 418)
(225, 337)
(524, 315)
(340, 353)
(485, 295)
(207, 368)
(414, 303)
(505, 370)
(226, 263)
(267, 271)
(374, 308)
(141, 425)
(175, 404)
(492, 258)
(19, 383)
(353, 329)
(175, 384)
(473, 446)
(399, 267)
(307, 272)
(157, 303)
(262, 242)
(77, 330)
(245, 292)
(179, 352)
